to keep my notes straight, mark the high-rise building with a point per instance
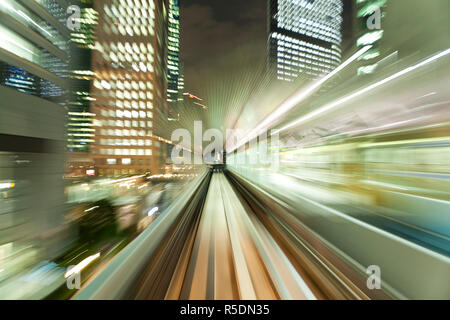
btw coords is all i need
(80, 131)
(129, 90)
(181, 82)
(33, 86)
(369, 15)
(304, 38)
(173, 57)
(393, 30)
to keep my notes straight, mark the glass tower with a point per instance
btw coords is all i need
(304, 38)
(80, 131)
(38, 40)
(369, 33)
(173, 63)
(33, 87)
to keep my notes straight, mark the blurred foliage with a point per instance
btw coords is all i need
(98, 223)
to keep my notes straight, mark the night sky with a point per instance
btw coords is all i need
(218, 36)
(224, 36)
(223, 47)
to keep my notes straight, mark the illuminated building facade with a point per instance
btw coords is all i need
(33, 87)
(130, 85)
(80, 131)
(181, 81)
(304, 38)
(370, 17)
(173, 58)
(52, 58)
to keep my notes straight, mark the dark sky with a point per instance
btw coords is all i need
(218, 36)
(223, 35)
(223, 47)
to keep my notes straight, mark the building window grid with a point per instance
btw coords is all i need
(126, 98)
(333, 53)
(321, 20)
(310, 19)
(282, 50)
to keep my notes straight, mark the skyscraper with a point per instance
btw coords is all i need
(130, 86)
(173, 58)
(181, 82)
(395, 33)
(33, 86)
(80, 132)
(369, 15)
(304, 38)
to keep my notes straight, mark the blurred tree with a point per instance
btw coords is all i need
(98, 222)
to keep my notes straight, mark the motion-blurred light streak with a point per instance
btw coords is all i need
(295, 99)
(341, 101)
(83, 264)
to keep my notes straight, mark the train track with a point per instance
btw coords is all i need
(227, 241)
(226, 251)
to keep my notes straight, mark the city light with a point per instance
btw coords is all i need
(216, 151)
(337, 103)
(152, 211)
(80, 266)
(296, 99)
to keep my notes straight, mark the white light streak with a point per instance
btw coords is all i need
(83, 264)
(296, 99)
(339, 102)
(152, 211)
